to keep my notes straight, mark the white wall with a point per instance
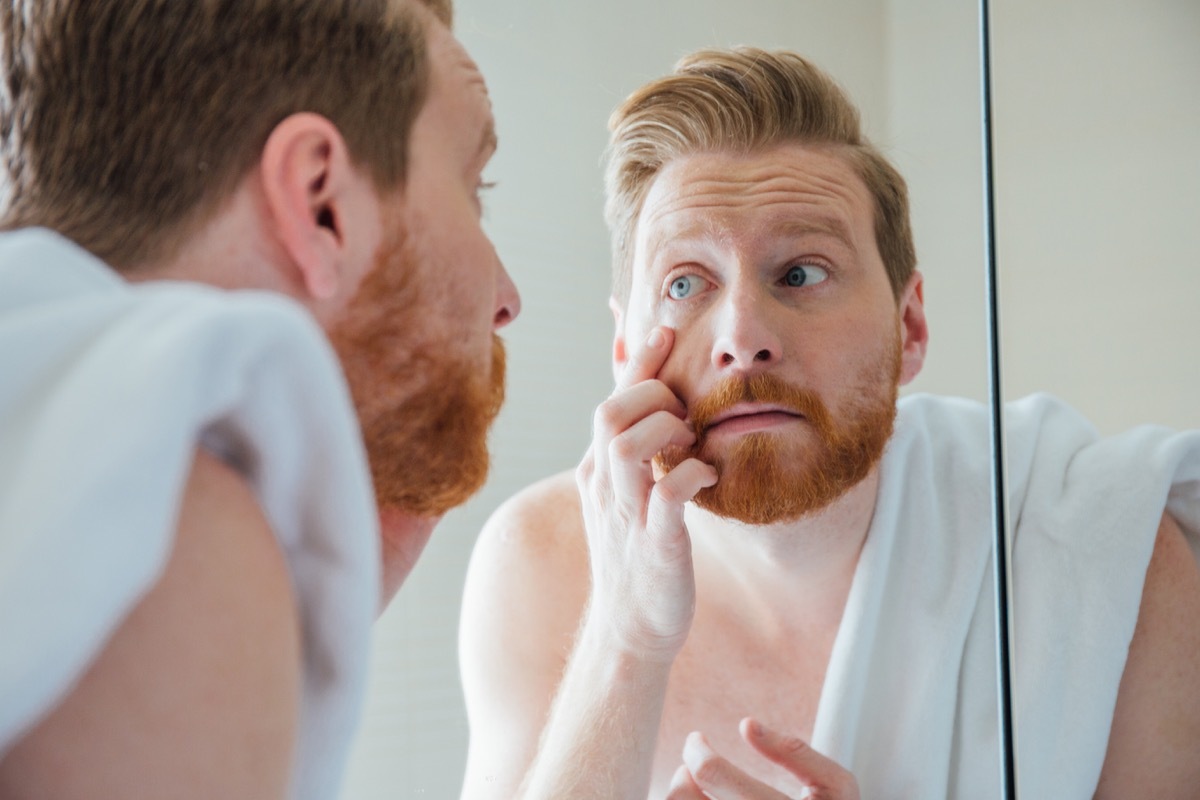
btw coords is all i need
(1098, 192)
(1098, 162)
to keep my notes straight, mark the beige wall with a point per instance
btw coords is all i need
(1098, 193)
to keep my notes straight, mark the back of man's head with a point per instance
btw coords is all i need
(742, 100)
(124, 125)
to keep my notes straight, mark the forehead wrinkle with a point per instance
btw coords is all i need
(797, 197)
(787, 221)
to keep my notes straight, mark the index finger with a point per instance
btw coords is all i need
(647, 358)
(827, 779)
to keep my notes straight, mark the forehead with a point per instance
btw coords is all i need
(458, 97)
(733, 197)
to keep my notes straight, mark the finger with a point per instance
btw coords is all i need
(683, 787)
(827, 779)
(630, 454)
(625, 407)
(664, 514)
(648, 358)
(719, 778)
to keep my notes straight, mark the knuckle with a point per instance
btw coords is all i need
(793, 745)
(607, 417)
(622, 448)
(670, 493)
(710, 769)
(585, 470)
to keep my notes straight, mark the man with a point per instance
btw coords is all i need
(189, 543)
(768, 579)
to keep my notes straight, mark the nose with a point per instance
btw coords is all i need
(745, 338)
(508, 299)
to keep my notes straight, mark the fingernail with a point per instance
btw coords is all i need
(756, 729)
(695, 751)
(656, 339)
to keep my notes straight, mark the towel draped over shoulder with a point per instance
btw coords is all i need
(106, 391)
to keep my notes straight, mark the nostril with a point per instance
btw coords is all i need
(762, 355)
(726, 359)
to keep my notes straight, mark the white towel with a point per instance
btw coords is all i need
(909, 702)
(106, 389)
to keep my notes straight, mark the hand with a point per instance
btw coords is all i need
(643, 588)
(705, 774)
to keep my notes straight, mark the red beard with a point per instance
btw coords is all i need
(424, 407)
(765, 477)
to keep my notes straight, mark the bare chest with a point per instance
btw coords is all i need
(724, 675)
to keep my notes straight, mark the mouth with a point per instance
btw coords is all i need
(750, 417)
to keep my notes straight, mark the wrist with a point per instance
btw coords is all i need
(602, 636)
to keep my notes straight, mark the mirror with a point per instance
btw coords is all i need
(1098, 188)
(1097, 212)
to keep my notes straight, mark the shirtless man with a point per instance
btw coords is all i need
(189, 539)
(759, 553)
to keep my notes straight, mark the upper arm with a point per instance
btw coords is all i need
(1155, 738)
(525, 592)
(196, 693)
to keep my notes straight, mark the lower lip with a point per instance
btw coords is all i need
(752, 423)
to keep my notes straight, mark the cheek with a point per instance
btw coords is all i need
(688, 363)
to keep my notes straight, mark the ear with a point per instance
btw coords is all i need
(914, 332)
(620, 353)
(307, 175)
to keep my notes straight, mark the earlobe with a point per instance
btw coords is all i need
(619, 354)
(914, 330)
(305, 164)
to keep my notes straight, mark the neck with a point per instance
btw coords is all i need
(770, 571)
(403, 537)
(231, 249)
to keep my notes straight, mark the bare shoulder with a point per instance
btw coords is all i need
(531, 556)
(196, 694)
(1156, 726)
(543, 520)
(525, 593)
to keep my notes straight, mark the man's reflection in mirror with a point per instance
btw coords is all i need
(769, 578)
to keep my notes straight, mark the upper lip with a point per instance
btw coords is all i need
(749, 409)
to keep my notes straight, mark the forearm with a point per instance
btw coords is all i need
(600, 739)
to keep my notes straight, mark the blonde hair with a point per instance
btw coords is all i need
(743, 100)
(125, 123)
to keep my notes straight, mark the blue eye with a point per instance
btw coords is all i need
(805, 275)
(683, 286)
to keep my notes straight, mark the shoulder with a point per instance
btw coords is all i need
(526, 586)
(201, 678)
(1156, 726)
(526, 589)
(531, 554)
(542, 520)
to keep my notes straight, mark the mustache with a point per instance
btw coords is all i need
(764, 388)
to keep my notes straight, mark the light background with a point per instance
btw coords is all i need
(1098, 178)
